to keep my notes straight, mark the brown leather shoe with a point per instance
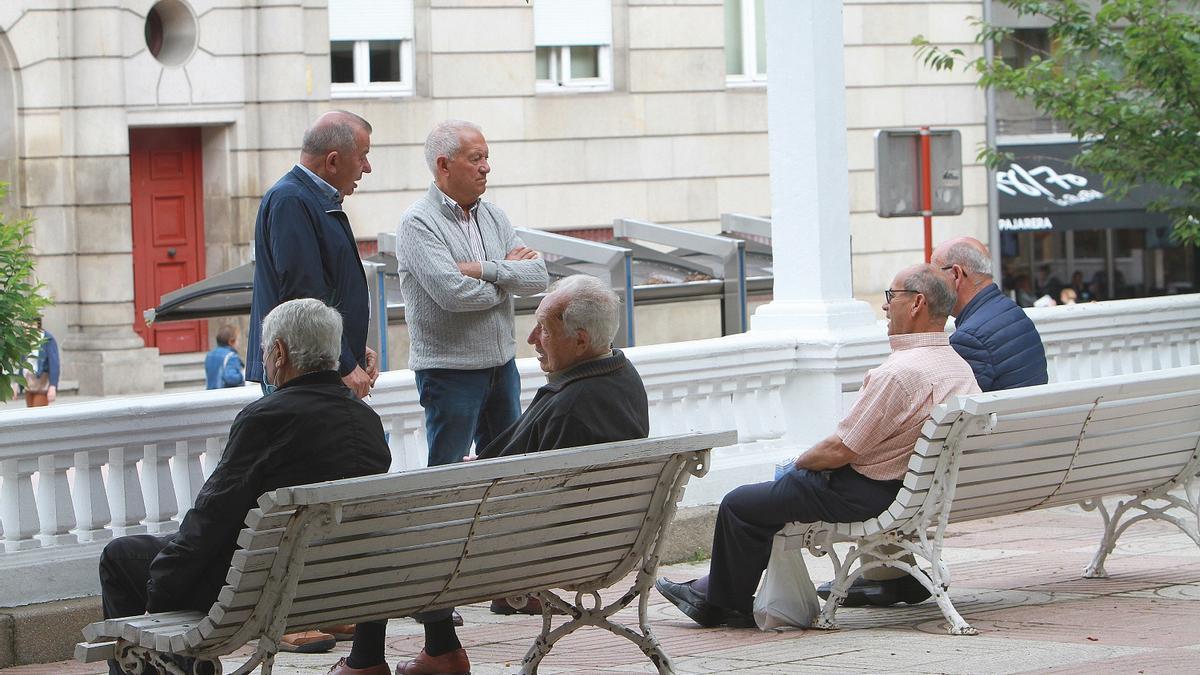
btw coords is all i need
(450, 663)
(340, 632)
(307, 642)
(340, 668)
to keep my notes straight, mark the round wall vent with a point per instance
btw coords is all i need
(171, 32)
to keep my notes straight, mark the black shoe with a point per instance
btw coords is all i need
(699, 609)
(884, 593)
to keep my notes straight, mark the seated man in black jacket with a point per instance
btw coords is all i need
(312, 429)
(593, 394)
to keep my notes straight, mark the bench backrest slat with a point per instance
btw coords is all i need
(1057, 444)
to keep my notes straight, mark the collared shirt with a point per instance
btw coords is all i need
(467, 223)
(325, 187)
(885, 422)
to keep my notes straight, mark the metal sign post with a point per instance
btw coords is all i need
(918, 172)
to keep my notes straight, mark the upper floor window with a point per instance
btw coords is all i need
(573, 39)
(370, 47)
(745, 42)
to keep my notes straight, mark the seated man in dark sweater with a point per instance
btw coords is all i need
(593, 394)
(312, 429)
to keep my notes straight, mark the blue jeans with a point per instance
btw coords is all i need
(462, 406)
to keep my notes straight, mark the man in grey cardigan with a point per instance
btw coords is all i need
(460, 265)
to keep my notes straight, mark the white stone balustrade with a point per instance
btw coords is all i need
(74, 476)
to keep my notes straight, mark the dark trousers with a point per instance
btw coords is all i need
(462, 406)
(124, 571)
(750, 516)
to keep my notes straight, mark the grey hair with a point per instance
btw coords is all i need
(311, 330)
(337, 134)
(939, 296)
(590, 306)
(970, 259)
(445, 141)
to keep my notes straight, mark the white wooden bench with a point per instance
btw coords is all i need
(1011, 451)
(396, 544)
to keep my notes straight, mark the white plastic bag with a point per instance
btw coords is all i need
(787, 596)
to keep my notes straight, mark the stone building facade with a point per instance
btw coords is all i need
(594, 109)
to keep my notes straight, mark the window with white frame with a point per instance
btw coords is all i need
(573, 39)
(370, 47)
(745, 42)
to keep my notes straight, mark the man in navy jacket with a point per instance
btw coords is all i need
(991, 332)
(1004, 349)
(304, 247)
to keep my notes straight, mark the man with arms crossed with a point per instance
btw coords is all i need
(853, 474)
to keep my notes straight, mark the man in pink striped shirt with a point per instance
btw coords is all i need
(852, 475)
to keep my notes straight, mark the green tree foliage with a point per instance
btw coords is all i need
(20, 302)
(1124, 77)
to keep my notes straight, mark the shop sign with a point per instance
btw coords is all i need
(1025, 224)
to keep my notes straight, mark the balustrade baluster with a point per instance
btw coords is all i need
(158, 488)
(409, 450)
(186, 472)
(91, 500)
(125, 492)
(18, 508)
(55, 510)
(214, 448)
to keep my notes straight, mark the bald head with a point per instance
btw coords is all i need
(967, 266)
(335, 148)
(333, 131)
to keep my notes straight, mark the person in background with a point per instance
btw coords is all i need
(41, 377)
(222, 366)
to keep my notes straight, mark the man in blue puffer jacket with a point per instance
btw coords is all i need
(1005, 351)
(991, 332)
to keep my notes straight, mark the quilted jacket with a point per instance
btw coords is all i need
(1002, 345)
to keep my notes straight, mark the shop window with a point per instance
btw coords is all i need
(370, 49)
(745, 42)
(573, 45)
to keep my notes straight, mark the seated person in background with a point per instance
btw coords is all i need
(852, 475)
(593, 394)
(222, 366)
(287, 438)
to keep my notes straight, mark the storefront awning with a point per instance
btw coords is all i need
(1041, 190)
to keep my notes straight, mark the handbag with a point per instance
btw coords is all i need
(787, 596)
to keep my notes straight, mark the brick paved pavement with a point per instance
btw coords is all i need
(1016, 580)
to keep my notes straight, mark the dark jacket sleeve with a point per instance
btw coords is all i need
(975, 352)
(209, 527)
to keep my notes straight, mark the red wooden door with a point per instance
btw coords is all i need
(168, 230)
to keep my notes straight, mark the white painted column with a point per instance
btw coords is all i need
(810, 194)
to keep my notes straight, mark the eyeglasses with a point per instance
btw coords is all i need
(889, 294)
(947, 268)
